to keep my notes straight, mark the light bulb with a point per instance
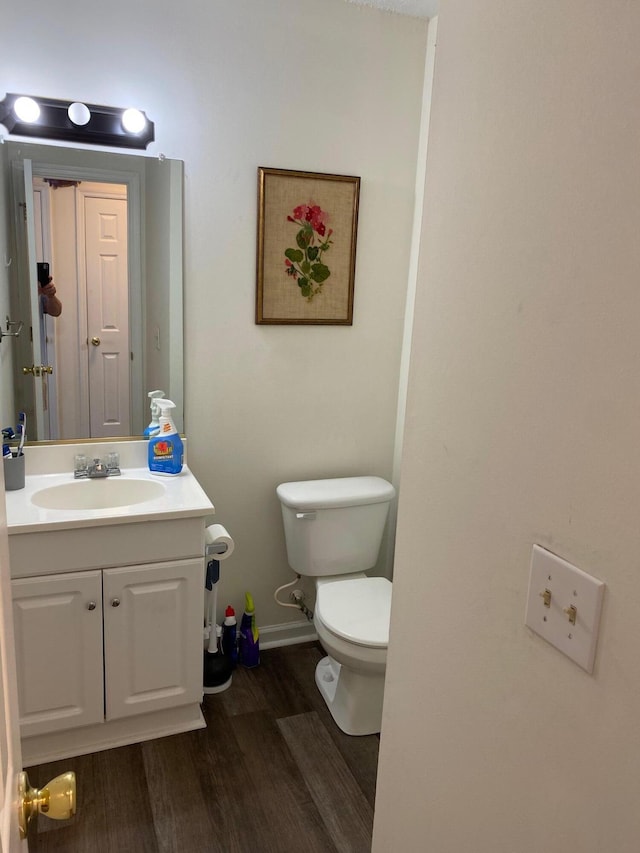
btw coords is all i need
(79, 113)
(133, 121)
(26, 109)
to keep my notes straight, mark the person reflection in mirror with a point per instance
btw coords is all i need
(50, 303)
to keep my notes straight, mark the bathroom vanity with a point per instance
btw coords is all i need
(107, 587)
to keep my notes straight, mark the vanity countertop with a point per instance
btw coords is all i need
(182, 497)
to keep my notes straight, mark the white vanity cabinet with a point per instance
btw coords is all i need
(142, 621)
(152, 637)
(58, 633)
(108, 606)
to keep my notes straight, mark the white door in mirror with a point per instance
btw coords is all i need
(107, 290)
(563, 606)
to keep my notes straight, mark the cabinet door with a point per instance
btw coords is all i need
(153, 636)
(58, 631)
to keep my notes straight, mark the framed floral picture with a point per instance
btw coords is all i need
(307, 225)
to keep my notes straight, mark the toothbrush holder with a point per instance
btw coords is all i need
(13, 472)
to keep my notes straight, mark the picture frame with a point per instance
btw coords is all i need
(307, 230)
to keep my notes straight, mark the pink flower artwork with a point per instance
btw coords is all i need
(304, 263)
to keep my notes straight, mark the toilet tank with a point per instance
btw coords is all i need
(334, 527)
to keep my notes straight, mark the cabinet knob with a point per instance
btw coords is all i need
(91, 605)
(115, 602)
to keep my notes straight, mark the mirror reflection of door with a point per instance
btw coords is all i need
(45, 323)
(81, 229)
(32, 384)
(154, 194)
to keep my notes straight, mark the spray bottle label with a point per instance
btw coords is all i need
(166, 455)
(163, 449)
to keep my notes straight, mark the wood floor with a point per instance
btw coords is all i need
(271, 773)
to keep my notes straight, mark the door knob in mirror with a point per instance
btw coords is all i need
(37, 369)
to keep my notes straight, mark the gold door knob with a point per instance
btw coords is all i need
(95, 341)
(56, 800)
(37, 369)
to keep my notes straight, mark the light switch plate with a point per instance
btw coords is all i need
(564, 586)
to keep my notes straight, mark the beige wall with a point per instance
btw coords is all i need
(321, 85)
(523, 426)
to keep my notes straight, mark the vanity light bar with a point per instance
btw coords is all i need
(72, 121)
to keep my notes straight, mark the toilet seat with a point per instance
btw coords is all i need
(357, 610)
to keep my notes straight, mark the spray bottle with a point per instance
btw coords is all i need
(166, 452)
(249, 634)
(229, 629)
(154, 425)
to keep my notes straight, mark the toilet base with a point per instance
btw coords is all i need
(354, 699)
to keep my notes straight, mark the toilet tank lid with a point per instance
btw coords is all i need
(334, 493)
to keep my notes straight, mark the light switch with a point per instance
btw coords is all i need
(563, 606)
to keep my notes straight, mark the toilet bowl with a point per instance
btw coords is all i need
(333, 530)
(351, 619)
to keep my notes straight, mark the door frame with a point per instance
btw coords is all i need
(10, 747)
(47, 326)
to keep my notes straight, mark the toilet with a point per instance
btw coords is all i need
(333, 530)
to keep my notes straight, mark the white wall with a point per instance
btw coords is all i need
(320, 85)
(523, 426)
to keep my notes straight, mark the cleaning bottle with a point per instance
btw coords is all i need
(249, 634)
(229, 636)
(154, 425)
(166, 453)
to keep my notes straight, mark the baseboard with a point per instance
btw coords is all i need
(287, 634)
(41, 749)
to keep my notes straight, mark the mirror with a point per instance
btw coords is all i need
(110, 228)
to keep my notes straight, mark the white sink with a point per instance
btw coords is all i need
(53, 502)
(102, 493)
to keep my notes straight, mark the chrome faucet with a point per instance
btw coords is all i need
(97, 468)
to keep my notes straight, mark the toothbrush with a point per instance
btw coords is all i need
(22, 431)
